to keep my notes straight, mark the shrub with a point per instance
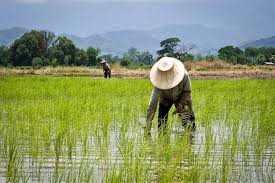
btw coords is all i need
(37, 62)
(125, 61)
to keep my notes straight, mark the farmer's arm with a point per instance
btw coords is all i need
(187, 91)
(152, 108)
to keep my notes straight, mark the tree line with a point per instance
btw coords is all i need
(44, 48)
(231, 54)
(235, 55)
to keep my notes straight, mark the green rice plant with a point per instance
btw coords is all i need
(89, 130)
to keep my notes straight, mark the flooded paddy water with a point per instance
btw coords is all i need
(70, 131)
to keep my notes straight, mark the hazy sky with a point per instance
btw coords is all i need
(85, 17)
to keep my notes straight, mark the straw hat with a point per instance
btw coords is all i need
(103, 61)
(167, 73)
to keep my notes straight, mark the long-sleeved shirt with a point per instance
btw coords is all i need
(106, 67)
(179, 95)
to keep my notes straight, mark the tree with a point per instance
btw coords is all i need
(49, 38)
(267, 52)
(172, 48)
(232, 54)
(261, 59)
(92, 54)
(188, 57)
(110, 58)
(81, 57)
(198, 57)
(64, 51)
(183, 52)
(226, 52)
(168, 47)
(251, 53)
(242, 59)
(24, 49)
(134, 55)
(125, 61)
(37, 62)
(4, 56)
(145, 58)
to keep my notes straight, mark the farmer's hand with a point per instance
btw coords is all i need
(180, 109)
(192, 117)
(147, 129)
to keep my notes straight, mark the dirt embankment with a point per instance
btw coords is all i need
(197, 70)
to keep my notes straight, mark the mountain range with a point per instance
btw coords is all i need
(207, 40)
(264, 42)
(7, 36)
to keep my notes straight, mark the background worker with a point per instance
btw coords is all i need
(171, 86)
(106, 68)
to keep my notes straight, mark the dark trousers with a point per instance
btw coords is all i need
(163, 114)
(107, 74)
(164, 107)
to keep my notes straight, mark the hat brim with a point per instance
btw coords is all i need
(167, 79)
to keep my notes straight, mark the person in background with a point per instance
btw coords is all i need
(106, 68)
(171, 86)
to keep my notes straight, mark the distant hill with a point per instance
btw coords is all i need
(7, 36)
(207, 40)
(265, 42)
(118, 42)
(202, 36)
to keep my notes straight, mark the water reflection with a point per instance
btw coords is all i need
(214, 148)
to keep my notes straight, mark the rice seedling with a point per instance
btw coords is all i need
(90, 130)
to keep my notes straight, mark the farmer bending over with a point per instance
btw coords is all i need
(106, 68)
(171, 86)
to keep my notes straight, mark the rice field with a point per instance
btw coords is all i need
(64, 129)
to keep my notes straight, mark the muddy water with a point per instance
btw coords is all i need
(212, 146)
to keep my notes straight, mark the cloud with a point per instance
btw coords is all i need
(139, 1)
(110, 1)
(32, 1)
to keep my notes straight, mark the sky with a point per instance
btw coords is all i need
(86, 17)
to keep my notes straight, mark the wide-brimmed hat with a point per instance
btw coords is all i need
(103, 61)
(167, 73)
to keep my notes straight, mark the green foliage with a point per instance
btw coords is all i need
(188, 57)
(267, 52)
(261, 59)
(42, 44)
(24, 49)
(146, 58)
(251, 53)
(210, 58)
(92, 54)
(30, 45)
(138, 57)
(233, 55)
(133, 55)
(169, 46)
(37, 62)
(110, 58)
(4, 56)
(125, 61)
(64, 51)
(199, 57)
(228, 53)
(81, 57)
